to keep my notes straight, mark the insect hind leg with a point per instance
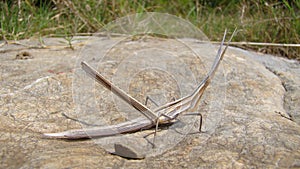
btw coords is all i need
(200, 119)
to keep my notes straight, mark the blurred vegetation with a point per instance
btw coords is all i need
(266, 21)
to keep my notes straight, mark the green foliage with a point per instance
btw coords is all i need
(23, 21)
(257, 20)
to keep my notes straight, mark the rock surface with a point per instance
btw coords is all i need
(258, 124)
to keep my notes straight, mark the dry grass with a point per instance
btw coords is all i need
(257, 20)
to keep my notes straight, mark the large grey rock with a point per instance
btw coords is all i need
(251, 110)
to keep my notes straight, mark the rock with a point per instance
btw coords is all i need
(251, 109)
(287, 71)
(125, 150)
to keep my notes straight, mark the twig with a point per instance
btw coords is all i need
(261, 44)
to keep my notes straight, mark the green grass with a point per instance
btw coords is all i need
(257, 20)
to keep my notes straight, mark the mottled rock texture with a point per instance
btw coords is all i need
(258, 125)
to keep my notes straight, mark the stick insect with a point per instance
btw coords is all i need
(164, 114)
